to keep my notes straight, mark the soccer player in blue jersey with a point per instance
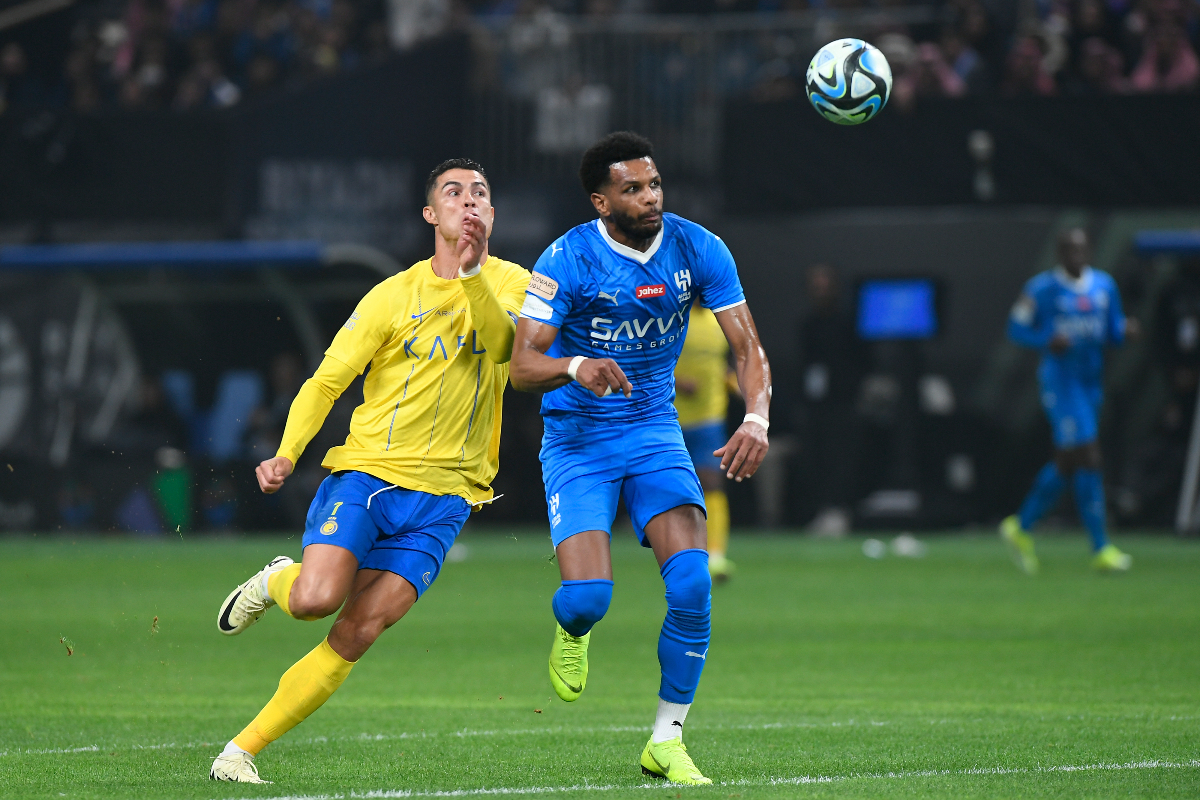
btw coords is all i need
(1070, 315)
(603, 323)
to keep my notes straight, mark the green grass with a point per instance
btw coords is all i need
(949, 676)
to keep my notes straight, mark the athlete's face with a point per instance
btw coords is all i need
(458, 194)
(1073, 251)
(632, 199)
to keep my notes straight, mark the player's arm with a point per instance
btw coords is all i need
(1028, 322)
(495, 326)
(746, 449)
(534, 371)
(306, 416)
(1120, 327)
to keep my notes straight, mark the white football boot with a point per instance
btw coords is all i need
(248, 602)
(235, 767)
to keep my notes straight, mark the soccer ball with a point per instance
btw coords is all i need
(848, 81)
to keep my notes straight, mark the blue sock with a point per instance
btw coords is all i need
(1047, 488)
(683, 643)
(1089, 498)
(578, 605)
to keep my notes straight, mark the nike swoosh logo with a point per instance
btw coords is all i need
(223, 622)
(575, 689)
(421, 316)
(694, 655)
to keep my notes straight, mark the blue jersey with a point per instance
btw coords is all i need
(1087, 311)
(611, 301)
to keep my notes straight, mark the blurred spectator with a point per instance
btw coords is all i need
(832, 364)
(1168, 64)
(1099, 70)
(1025, 73)
(964, 60)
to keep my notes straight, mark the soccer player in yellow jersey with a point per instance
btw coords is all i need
(702, 386)
(423, 449)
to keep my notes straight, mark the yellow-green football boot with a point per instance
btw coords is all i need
(1020, 544)
(1110, 559)
(670, 760)
(568, 664)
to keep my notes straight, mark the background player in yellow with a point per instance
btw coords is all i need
(702, 387)
(423, 449)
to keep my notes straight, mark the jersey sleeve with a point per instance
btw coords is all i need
(720, 287)
(511, 291)
(549, 293)
(360, 338)
(1115, 320)
(1028, 322)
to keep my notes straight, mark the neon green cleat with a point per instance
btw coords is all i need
(1020, 544)
(569, 664)
(1110, 559)
(720, 568)
(670, 760)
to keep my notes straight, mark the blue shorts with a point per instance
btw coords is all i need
(586, 473)
(701, 440)
(385, 526)
(1074, 412)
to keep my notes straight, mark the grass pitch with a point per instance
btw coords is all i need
(830, 675)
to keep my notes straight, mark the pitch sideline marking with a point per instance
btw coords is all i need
(792, 781)
(463, 733)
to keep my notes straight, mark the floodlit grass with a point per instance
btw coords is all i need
(830, 675)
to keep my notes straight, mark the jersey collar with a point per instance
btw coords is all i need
(1081, 284)
(629, 252)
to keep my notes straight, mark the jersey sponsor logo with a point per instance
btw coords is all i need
(609, 296)
(683, 279)
(350, 323)
(603, 329)
(536, 308)
(542, 286)
(1083, 303)
(1078, 328)
(657, 290)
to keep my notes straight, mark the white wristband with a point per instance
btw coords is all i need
(573, 367)
(756, 418)
(470, 273)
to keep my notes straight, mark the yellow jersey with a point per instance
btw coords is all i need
(703, 362)
(432, 400)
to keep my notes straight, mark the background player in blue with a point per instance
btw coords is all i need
(1070, 314)
(600, 332)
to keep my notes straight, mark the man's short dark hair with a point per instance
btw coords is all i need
(449, 164)
(612, 149)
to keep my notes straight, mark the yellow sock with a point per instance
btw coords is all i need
(302, 690)
(718, 522)
(279, 586)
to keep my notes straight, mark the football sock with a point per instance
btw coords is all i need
(668, 724)
(1047, 488)
(578, 605)
(302, 690)
(717, 505)
(1089, 498)
(683, 643)
(279, 586)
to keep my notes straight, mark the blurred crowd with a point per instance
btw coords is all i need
(187, 54)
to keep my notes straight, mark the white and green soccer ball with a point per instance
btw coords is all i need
(848, 81)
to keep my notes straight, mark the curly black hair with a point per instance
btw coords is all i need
(612, 149)
(449, 164)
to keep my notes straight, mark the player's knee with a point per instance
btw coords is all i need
(689, 586)
(309, 602)
(578, 605)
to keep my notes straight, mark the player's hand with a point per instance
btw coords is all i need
(744, 452)
(272, 473)
(1059, 344)
(603, 377)
(686, 386)
(471, 242)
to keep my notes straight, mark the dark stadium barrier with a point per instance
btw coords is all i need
(1089, 151)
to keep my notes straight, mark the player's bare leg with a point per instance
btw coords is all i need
(679, 539)
(377, 600)
(311, 590)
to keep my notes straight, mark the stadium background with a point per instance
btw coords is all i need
(197, 192)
